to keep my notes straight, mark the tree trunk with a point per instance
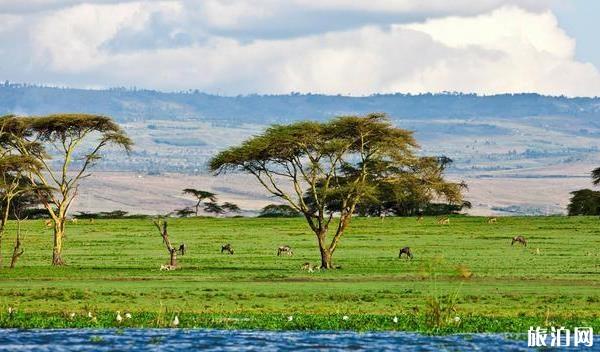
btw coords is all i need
(325, 252)
(59, 233)
(17, 251)
(3, 222)
(173, 261)
(326, 259)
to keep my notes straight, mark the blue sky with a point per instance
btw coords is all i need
(356, 47)
(581, 20)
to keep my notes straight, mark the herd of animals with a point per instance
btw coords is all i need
(404, 251)
(287, 250)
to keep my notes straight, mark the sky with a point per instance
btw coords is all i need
(347, 47)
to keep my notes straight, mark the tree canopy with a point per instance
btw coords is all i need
(53, 141)
(327, 168)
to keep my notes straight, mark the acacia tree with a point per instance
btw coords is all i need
(200, 197)
(322, 169)
(213, 207)
(231, 207)
(73, 144)
(12, 185)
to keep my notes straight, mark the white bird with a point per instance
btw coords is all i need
(290, 318)
(127, 315)
(395, 319)
(345, 317)
(72, 315)
(90, 315)
(175, 321)
(119, 318)
(11, 310)
(457, 320)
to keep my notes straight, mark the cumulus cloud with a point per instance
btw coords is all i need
(265, 46)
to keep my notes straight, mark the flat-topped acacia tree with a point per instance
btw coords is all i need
(200, 196)
(72, 145)
(326, 168)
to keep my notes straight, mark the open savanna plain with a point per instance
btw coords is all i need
(468, 267)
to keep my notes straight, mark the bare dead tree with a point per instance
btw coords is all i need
(161, 225)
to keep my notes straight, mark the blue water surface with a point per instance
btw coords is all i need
(246, 340)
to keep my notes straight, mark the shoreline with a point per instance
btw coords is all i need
(466, 324)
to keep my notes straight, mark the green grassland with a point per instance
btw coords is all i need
(114, 265)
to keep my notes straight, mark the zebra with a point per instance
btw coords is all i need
(227, 248)
(285, 250)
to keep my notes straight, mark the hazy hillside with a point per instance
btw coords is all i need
(513, 142)
(135, 105)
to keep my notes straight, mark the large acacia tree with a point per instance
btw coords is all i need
(200, 196)
(66, 146)
(326, 169)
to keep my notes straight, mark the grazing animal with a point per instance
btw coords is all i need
(492, 220)
(182, 249)
(48, 223)
(227, 248)
(310, 268)
(74, 221)
(420, 219)
(443, 220)
(285, 250)
(519, 239)
(405, 250)
(382, 216)
(92, 220)
(167, 267)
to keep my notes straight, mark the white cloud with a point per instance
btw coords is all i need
(485, 48)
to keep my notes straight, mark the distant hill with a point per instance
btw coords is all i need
(522, 153)
(135, 105)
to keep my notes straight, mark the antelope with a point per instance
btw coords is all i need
(420, 219)
(309, 267)
(405, 250)
(48, 223)
(182, 249)
(285, 250)
(73, 221)
(227, 248)
(492, 220)
(382, 216)
(519, 239)
(443, 220)
(167, 267)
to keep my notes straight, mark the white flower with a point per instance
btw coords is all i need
(457, 320)
(345, 317)
(290, 318)
(127, 315)
(395, 320)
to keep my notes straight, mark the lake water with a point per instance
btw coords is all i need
(232, 340)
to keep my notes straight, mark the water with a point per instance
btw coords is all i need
(232, 340)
